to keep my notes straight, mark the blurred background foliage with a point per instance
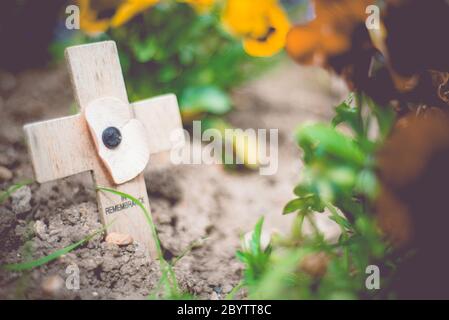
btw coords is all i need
(173, 48)
(198, 49)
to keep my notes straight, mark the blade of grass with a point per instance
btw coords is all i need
(153, 296)
(41, 261)
(187, 250)
(5, 194)
(234, 291)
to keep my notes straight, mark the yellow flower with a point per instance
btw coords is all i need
(129, 9)
(200, 6)
(89, 18)
(263, 25)
(97, 16)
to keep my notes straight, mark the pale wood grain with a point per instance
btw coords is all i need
(65, 146)
(161, 118)
(60, 148)
(96, 73)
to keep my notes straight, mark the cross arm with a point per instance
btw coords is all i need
(63, 147)
(59, 148)
(162, 121)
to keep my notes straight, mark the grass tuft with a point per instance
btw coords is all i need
(58, 253)
(13, 188)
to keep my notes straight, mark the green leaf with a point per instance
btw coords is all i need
(187, 55)
(145, 50)
(168, 73)
(349, 115)
(319, 140)
(342, 176)
(367, 184)
(241, 256)
(385, 117)
(255, 240)
(206, 99)
(295, 205)
(302, 190)
(310, 202)
(341, 221)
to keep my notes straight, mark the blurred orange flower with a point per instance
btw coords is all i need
(329, 34)
(263, 25)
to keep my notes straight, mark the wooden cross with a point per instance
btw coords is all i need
(109, 137)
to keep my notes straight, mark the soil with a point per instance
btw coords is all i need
(203, 204)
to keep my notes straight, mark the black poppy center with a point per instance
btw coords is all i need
(111, 137)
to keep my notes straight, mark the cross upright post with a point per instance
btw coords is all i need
(109, 137)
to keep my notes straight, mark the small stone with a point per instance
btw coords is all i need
(5, 174)
(214, 296)
(40, 229)
(52, 284)
(315, 264)
(20, 200)
(119, 239)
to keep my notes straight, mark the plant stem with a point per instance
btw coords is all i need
(358, 99)
(344, 232)
(315, 228)
(231, 295)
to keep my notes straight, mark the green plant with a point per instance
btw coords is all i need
(173, 48)
(254, 256)
(338, 177)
